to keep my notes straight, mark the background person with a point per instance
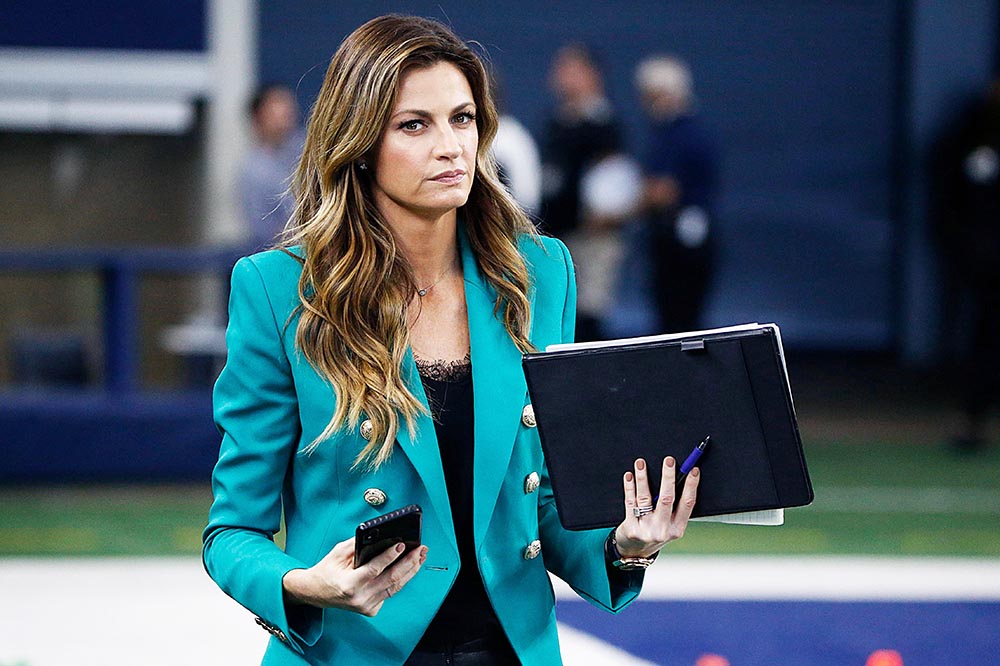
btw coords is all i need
(518, 162)
(581, 131)
(268, 166)
(966, 212)
(348, 388)
(610, 194)
(679, 192)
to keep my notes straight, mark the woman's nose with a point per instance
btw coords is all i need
(449, 145)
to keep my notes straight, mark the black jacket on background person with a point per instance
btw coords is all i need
(570, 146)
(965, 210)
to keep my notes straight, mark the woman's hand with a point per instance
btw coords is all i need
(643, 536)
(334, 582)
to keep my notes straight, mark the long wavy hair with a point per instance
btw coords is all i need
(356, 284)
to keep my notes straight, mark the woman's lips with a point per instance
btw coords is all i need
(449, 177)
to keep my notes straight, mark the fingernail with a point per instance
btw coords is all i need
(423, 551)
(400, 547)
(640, 464)
(695, 472)
(628, 476)
(669, 460)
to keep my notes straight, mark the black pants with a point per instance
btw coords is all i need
(681, 278)
(480, 652)
(982, 366)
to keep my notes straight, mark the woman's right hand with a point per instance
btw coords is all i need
(334, 582)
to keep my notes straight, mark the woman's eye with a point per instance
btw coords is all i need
(465, 118)
(411, 125)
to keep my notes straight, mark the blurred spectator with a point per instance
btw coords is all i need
(517, 158)
(610, 193)
(580, 133)
(966, 214)
(679, 192)
(269, 164)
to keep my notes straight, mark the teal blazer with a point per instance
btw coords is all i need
(270, 403)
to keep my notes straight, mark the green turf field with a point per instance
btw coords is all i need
(871, 498)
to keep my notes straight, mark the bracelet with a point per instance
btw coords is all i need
(615, 558)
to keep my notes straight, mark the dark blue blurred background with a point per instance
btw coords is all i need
(823, 109)
(825, 112)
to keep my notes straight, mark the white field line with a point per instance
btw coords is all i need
(818, 578)
(106, 611)
(581, 649)
(888, 499)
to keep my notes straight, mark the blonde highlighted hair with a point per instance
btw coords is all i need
(356, 285)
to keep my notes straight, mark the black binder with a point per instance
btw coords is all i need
(599, 408)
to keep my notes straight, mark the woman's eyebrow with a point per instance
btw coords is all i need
(421, 113)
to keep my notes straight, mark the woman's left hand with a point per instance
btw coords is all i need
(643, 536)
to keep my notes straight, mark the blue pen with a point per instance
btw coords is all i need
(689, 464)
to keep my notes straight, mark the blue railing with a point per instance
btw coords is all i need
(117, 430)
(120, 271)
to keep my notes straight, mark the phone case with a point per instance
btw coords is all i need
(376, 535)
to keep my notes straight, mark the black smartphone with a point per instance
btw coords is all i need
(376, 535)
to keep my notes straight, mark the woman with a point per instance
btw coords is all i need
(409, 277)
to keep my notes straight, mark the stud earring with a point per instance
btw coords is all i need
(363, 165)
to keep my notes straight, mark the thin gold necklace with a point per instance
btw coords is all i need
(423, 292)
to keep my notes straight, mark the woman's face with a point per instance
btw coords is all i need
(426, 157)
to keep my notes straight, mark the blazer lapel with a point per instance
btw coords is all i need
(498, 397)
(422, 450)
(498, 391)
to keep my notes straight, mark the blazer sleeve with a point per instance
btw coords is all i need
(577, 557)
(256, 412)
